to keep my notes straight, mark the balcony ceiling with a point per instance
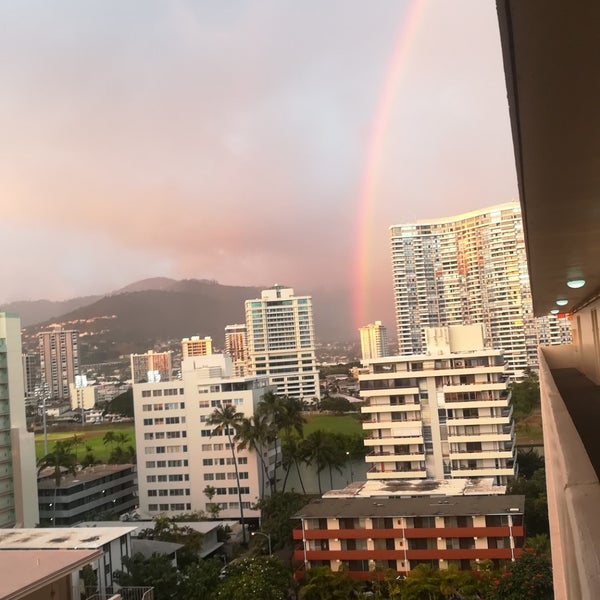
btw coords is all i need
(551, 54)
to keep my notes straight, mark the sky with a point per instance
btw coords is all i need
(251, 142)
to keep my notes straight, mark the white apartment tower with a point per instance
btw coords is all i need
(374, 340)
(471, 268)
(178, 457)
(18, 482)
(442, 414)
(151, 366)
(59, 360)
(236, 346)
(281, 341)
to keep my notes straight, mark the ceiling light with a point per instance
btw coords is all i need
(554, 311)
(562, 302)
(576, 283)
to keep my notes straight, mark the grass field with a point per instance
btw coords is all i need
(92, 436)
(348, 424)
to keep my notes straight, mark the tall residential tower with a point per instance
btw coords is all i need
(281, 341)
(18, 484)
(59, 360)
(471, 268)
(374, 340)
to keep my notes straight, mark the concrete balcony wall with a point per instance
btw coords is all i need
(572, 484)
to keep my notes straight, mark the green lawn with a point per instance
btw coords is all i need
(529, 430)
(348, 424)
(92, 435)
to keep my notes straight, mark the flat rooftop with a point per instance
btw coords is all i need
(418, 487)
(413, 507)
(56, 538)
(46, 476)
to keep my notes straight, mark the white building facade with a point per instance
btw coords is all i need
(281, 341)
(440, 415)
(374, 340)
(470, 268)
(18, 484)
(178, 457)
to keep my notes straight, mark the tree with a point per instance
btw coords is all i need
(89, 459)
(528, 578)
(226, 420)
(76, 440)
(322, 450)
(60, 458)
(213, 508)
(166, 530)
(321, 583)
(525, 394)
(199, 581)
(122, 404)
(293, 453)
(109, 438)
(336, 404)
(258, 578)
(156, 571)
(276, 516)
(255, 434)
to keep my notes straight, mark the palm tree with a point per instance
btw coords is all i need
(76, 440)
(110, 437)
(60, 458)
(322, 451)
(227, 421)
(293, 452)
(254, 434)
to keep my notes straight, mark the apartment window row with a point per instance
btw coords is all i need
(209, 432)
(169, 492)
(223, 476)
(164, 421)
(176, 506)
(166, 392)
(161, 435)
(165, 406)
(162, 464)
(165, 478)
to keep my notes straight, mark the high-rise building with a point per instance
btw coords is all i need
(281, 341)
(178, 454)
(374, 340)
(196, 346)
(18, 485)
(470, 268)
(236, 346)
(31, 375)
(151, 366)
(442, 414)
(59, 360)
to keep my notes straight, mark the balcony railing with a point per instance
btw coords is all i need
(122, 593)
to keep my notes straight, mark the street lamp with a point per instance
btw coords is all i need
(268, 539)
(351, 471)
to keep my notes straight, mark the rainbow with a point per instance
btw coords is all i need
(374, 155)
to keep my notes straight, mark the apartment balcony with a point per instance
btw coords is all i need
(482, 454)
(480, 420)
(570, 416)
(466, 387)
(484, 472)
(387, 407)
(501, 436)
(396, 391)
(410, 437)
(415, 473)
(390, 424)
(377, 457)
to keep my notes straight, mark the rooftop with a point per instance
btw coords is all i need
(46, 476)
(55, 538)
(413, 507)
(418, 487)
(23, 573)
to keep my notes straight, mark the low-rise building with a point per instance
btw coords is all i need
(365, 535)
(68, 549)
(93, 491)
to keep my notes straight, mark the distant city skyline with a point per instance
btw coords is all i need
(249, 143)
